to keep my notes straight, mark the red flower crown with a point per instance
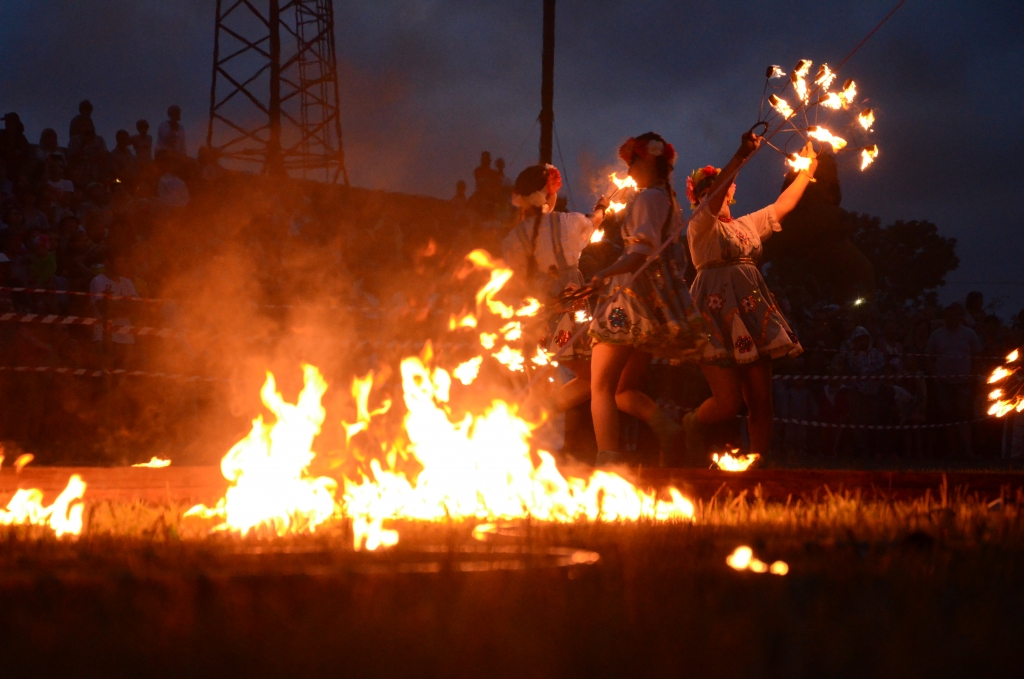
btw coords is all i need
(554, 179)
(646, 148)
(696, 177)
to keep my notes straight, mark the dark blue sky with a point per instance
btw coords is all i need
(428, 84)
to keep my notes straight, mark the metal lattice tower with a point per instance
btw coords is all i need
(274, 96)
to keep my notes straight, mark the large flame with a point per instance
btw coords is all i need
(270, 487)
(481, 467)
(64, 516)
(477, 466)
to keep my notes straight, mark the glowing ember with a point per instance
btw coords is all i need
(64, 516)
(867, 156)
(467, 320)
(531, 308)
(468, 371)
(866, 118)
(270, 488)
(798, 78)
(510, 358)
(731, 462)
(781, 105)
(743, 559)
(823, 135)
(154, 463)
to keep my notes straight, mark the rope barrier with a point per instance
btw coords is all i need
(89, 372)
(878, 427)
(52, 319)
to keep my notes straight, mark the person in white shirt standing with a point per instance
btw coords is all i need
(110, 282)
(171, 135)
(952, 347)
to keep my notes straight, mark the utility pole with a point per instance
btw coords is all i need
(274, 102)
(547, 87)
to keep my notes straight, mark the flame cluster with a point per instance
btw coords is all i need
(477, 466)
(819, 93)
(1007, 395)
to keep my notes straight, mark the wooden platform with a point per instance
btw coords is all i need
(205, 484)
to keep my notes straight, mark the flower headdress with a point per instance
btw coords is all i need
(539, 198)
(694, 180)
(645, 147)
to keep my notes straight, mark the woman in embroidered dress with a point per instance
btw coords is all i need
(653, 314)
(746, 329)
(544, 250)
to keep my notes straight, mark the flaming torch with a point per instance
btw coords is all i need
(1008, 381)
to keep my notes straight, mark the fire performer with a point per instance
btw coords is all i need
(746, 328)
(544, 251)
(653, 314)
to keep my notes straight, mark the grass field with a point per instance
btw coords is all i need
(876, 588)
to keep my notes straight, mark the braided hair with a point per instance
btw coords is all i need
(653, 145)
(530, 192)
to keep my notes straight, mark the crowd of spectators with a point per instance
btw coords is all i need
(865, 366)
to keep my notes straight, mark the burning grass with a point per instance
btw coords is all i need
(875, 587)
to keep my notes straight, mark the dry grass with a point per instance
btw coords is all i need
(876, 588)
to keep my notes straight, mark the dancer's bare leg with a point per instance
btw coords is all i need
(757, 393)
(577, 390)
(607, 364)
(629, 397)
(726, 394)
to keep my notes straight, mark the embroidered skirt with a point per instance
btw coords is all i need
(655, 312)
(744, 323)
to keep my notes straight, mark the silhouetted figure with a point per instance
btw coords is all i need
(14, 146)
(81, 122)
(171, 135)
(813, 239)
(143, 142)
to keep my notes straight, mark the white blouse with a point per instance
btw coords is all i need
(574, 231)
(712, 240)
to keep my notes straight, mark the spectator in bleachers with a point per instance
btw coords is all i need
(14, 147)
(89, 160)
(953, 346)
(142, 142)
(82, 122)
(123, 161)
(170, 136)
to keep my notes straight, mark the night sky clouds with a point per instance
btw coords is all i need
(427, 85)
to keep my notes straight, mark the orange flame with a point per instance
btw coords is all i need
(868, 155)
(849, 92)
(798, 78)
(866, 118)
(781, 105)
(798, 162)
(823, 135)
(825, 77)
(154, 463)
(731, 462)
(64, 516)
(1009, 396)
